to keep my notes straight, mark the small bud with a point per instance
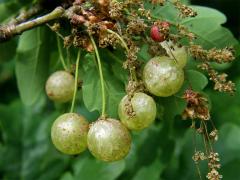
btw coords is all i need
(160, 31)
(156, 35)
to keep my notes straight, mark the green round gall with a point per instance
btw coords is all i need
(109, 140)
(69, 133)
(179, 54)
(162, 76)
(144, 109)
(60, 86)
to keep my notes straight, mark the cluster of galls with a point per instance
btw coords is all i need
(109, 139)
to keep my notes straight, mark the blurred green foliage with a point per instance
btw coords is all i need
(162, 151)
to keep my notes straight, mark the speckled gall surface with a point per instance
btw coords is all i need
(162, 76)
(109, 140)
(69, 133)
(60, 86)
(145, 111)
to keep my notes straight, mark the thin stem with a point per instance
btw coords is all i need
(76, 81)
(56, 13)
(68, 57)
(194, 135)
(204, 141)
(101, 76)
(195, 148)
(207, 136)
(171, 52)
(198, 171)
(213, 126)
(120, 38)
(57, 33)
(132, 71)
(61, 54)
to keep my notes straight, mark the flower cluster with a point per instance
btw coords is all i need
(160, 2)
(199, 156)
(131, 63)
(115, 9)
(184, 32)
(107, 39)
(220, 80)
(184, 10)
(136, 27)
(214, 135)
(214, 175)
(217, 55)
(214, 165)
(197, 106)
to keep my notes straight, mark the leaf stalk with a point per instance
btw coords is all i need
(76, 81)
(101, 77)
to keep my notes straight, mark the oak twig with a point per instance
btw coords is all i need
(11, 29)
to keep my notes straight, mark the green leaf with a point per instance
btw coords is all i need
(206, 16)
(167, 12)
(237, 49)
(26, 151)
(4, 1)
(173, 106)
(6, 72)
(228, 145)
(143, 53)
(32, 64)
(91, 88)
(151, 151)
(11, 8)
(115, 59)
(8, 50)
(220, 100)
(151, 171)
(185, 169)
(231, 170)
(207, 26)
(67, 176)
(7, 9)
(196, 79)
(93, 169)
(193, 79)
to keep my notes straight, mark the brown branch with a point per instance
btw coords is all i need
(10, 30)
